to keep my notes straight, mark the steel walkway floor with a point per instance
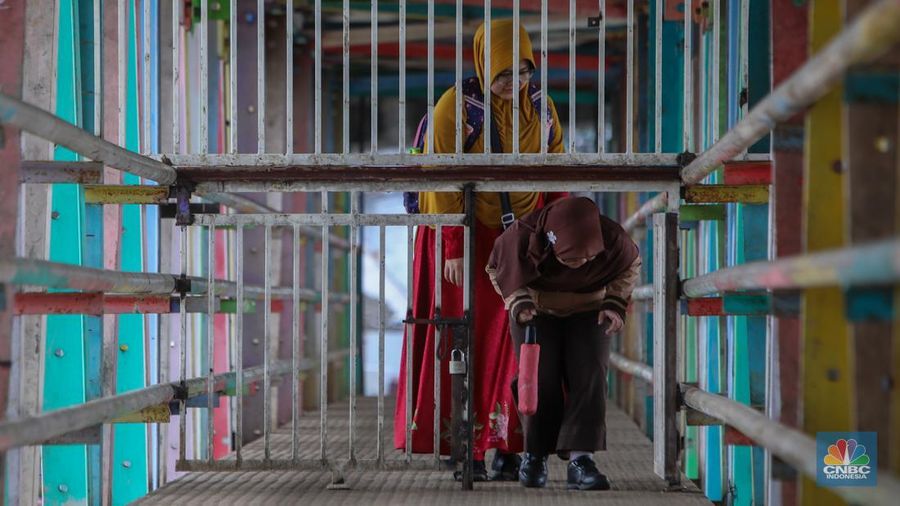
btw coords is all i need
(628, 463)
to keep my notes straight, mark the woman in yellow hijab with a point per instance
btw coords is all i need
(496, 423)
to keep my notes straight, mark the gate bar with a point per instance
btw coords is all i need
(629, 91)
(261, 76)
(438, 295)
(379, 448)
(601, 81)
(665, 321)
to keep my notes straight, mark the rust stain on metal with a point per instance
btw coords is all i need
(125, 194)
(154, 414)
(744, 194)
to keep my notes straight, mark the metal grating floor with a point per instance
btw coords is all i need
(628, 463)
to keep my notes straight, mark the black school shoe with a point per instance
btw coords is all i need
(533, 471)
(505, 467)
(583, 475)
(479, 472)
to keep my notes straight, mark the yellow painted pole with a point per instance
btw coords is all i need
(826, 377)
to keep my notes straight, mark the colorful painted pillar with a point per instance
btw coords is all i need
(826, 378)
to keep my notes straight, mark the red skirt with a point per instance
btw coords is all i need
(496, 422)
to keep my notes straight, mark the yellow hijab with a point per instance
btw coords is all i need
(487, 208)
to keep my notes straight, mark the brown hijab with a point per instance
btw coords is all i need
(570, 228)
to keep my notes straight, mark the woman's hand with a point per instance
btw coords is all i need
(615, 321)
(453, 271)
(524, 312)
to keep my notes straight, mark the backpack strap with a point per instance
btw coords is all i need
(537, 98)
(473, 100)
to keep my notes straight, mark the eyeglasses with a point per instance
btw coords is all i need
(506, 77)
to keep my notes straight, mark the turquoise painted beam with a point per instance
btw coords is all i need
(130, 458)
(65, 468)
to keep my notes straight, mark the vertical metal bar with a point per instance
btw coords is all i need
(267, 339)
(354, 357)
(289, 76)
(665, 307)
(657, 80)
(572, 75)
(402, 91)
(459, 91)
(601, 81)
(629, 92)
(323, 349)
(430, 77)
(261, 76)
(98, 80)
(345, 92)
(515, 73)
(122, 56)
(745, 60)
(379, 449)
(182, 412)
(204, 77)
(232, 76)
(488, 114)
(295, 346)
(318, 75)
(210, 340)
(717, 39)
(145, 117)
(410, 329)
(438, 251)
(176, 78)
(239, 345)
(468, 310)
(545, 132)
(373, 100)
(688, 85)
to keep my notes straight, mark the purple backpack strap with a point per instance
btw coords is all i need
(537, 99)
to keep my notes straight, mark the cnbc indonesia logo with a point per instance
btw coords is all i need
(847, 459)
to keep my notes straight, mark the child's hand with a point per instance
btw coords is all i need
(615, 321)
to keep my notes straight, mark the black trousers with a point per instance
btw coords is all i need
(571, 412)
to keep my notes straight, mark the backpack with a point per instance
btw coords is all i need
(473, 100)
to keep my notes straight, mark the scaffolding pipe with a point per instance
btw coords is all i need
(792, 446)
(871, 33)
(26, 117)
(868, 36)
(876, 263)
(36, 429)
(632, 367)
(643, 292)
(30, 271)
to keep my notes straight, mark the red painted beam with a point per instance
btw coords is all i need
(734, 437)
(90, 303)
(705, 306)
(741, 173)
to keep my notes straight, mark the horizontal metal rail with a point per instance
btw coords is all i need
(45, 172)
(875, 263)
(263, 163)
(790, 445)
(53, 424)
(39, 122)
(29, 271)
(872, 32)
(400, 220)
(350, 183)
(303, 464)
(632, 367)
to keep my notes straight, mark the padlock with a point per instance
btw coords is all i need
(457, 362)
